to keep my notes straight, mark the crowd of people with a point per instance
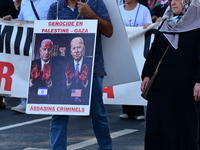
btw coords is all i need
(172, 117)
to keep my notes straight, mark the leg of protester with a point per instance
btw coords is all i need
(21, 108)
(99, 117)
(98, 114)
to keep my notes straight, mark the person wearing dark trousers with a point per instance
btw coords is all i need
(90, 9)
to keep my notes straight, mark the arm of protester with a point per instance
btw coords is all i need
(104, 26)
(146, 25)
(196, 92)
(154, 18)
(144, 83)
(8, 17)
(159, 19)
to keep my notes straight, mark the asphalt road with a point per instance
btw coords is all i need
(31, 132)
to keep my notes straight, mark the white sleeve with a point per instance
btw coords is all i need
(147, 16)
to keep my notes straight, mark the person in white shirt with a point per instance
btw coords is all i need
(41, 6)
(134, 14)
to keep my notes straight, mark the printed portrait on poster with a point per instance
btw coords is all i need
(61, 69)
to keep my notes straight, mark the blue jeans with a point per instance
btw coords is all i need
(98, 114)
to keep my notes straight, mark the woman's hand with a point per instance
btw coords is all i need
(144, 83)
(196, 92)
(8, 17)
(159, 19)
(146, 25)
(154, 18)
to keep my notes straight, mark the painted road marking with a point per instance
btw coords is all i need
(73, 146)
(92, 141)
(24, 123)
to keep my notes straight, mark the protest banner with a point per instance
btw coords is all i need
(123, 89)
(62, 67)
(16, 43)
(120, 64)
(15, 54)
(129, 94)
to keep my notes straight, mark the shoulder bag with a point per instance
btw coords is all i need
(147, 91)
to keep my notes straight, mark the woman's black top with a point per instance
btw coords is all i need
(7, 7)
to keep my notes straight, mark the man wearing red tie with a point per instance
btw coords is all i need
(44, 80)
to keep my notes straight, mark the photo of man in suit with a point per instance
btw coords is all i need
(45, 81)
(78, 73)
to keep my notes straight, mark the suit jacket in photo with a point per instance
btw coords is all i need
(74, 87)
(53, 94)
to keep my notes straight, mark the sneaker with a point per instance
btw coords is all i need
(3, 103)
(124, 116)
(140, 117)
(20, 108)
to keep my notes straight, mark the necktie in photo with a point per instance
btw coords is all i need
(76, 99)
(76, 73)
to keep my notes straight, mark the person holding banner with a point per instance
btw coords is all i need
(77, 73)
(90, 9)
(172, 120)
(134, 14)
(27, 13)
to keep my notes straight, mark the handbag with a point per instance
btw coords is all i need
(147, 91)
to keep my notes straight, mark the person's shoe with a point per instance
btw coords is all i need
(124, 116)
(20, 108)
(3, 103)
(142, 117)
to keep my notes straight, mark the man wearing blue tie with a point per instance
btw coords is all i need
(78, 73)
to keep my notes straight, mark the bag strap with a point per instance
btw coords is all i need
(136, 16)
(155, 73)
(35, 12)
